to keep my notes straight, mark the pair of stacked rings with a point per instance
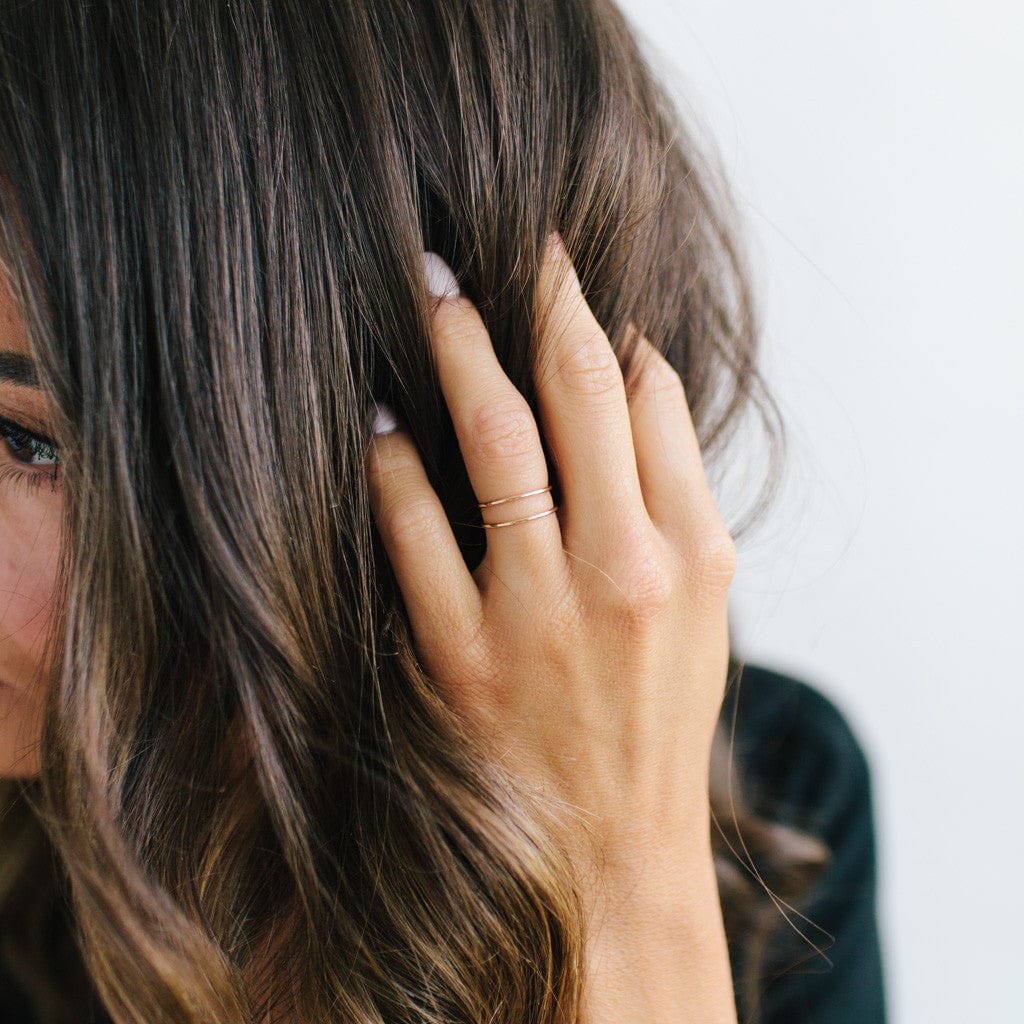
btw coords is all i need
(384, 421)
(512, 497)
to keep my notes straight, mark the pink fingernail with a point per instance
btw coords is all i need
(440, 279)
(383, 419)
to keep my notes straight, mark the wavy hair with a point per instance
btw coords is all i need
(253, 804)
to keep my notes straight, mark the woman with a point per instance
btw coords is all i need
(302, 724)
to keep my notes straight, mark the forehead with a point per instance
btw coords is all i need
(13, 335)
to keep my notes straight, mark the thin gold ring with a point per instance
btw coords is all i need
(511, 522)
(512, 497)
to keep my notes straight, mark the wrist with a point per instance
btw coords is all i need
(656, 950)
(670, 891)
(665, 869)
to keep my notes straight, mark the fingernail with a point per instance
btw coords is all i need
(440, 279)
(383, 419)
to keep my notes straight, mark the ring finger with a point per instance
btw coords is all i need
(500, 444)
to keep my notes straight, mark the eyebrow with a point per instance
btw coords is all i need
(18, 368)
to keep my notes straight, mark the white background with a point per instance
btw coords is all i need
(877, 150)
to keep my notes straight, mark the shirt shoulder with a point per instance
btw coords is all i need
(803, 764)
(800, 752)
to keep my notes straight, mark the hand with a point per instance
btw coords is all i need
(588, 651)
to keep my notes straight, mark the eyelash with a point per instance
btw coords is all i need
(14, 433)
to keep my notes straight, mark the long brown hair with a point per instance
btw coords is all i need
(252, 802)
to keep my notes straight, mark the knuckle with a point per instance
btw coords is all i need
(591, 368)
(504, 429)
(650, 372)
(664, 381)
(409, 522)
(713, 561)
(647, 579)
(650, 591)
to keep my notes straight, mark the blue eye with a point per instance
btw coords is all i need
(33, 451)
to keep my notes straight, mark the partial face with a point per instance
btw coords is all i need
(30, 517)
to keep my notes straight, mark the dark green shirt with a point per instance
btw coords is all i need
(801, 765)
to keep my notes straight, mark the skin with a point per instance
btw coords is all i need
(30, 518)
(589, 649)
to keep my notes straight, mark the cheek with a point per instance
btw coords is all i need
(21, 724)
(29, 539)
(25, 606)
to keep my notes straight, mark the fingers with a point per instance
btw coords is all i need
(584, 411)
(441, 596)
(626, 457)
(500, 445)
(669, 463)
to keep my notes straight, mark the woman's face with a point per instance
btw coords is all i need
(30, 519)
